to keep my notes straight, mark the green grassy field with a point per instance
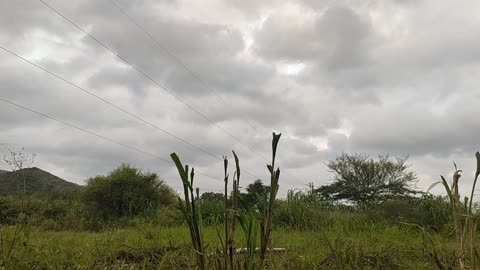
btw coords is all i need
(365, 246)
(109, 226)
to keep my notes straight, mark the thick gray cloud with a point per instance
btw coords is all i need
(336, 37)
(394, 77)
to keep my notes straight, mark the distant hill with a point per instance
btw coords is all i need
(37, 180)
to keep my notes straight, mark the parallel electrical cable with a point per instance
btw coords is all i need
(176, 58)
(98, 135)
(110, 140)
(152, 80)
(105, 138)
(165, 50)
(115, 106)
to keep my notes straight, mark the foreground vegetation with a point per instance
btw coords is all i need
(346, 244)
(128, 219)
(59, 231)
(58, 234)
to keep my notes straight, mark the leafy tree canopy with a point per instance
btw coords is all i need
(212, 196)
(255, 196)
(361, 179)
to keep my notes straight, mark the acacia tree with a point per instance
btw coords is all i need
(361, 179)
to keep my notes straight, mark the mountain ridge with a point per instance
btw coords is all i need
(36, 180)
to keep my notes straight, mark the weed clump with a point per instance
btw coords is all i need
(247, 219)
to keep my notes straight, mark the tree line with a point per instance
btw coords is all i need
(127, 192)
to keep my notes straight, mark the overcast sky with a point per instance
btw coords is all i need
(397, 77)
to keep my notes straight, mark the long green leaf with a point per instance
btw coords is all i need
(237, 165)
(276, 139)
(477, 155)
(433, 185)
(179, 166)
(447, 188)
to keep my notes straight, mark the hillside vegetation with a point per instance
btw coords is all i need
(36, 180)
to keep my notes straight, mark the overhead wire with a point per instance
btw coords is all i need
(179, 61)
(115, 106)
(98, 135)
(140, 71)
(146, 75)
(167, 51)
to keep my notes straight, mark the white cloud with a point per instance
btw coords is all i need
(333, 76)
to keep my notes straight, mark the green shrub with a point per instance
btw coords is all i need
(428, 211)
(67, 211)
(301, 210)
(434, 212)
(213, 208)
(126, 191)
(8, 212)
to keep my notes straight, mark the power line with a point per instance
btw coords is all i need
(114, 105)
(103, 137)
(152, 80)
(176, 58)
(98, 135)
(165, 50)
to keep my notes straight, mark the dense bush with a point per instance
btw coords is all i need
(127, 197)
(55, 212)
(212, 207)
(126, 191)
(8, 213)
(301, 210)
(255, 196)
(50, 211)
(307, 210)
(429, 211)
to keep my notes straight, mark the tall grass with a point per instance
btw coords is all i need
(304, 210)
(464, 217)
(226, 248)
(191, 211)
(266, 218)
(247, 219)
(231, 214)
